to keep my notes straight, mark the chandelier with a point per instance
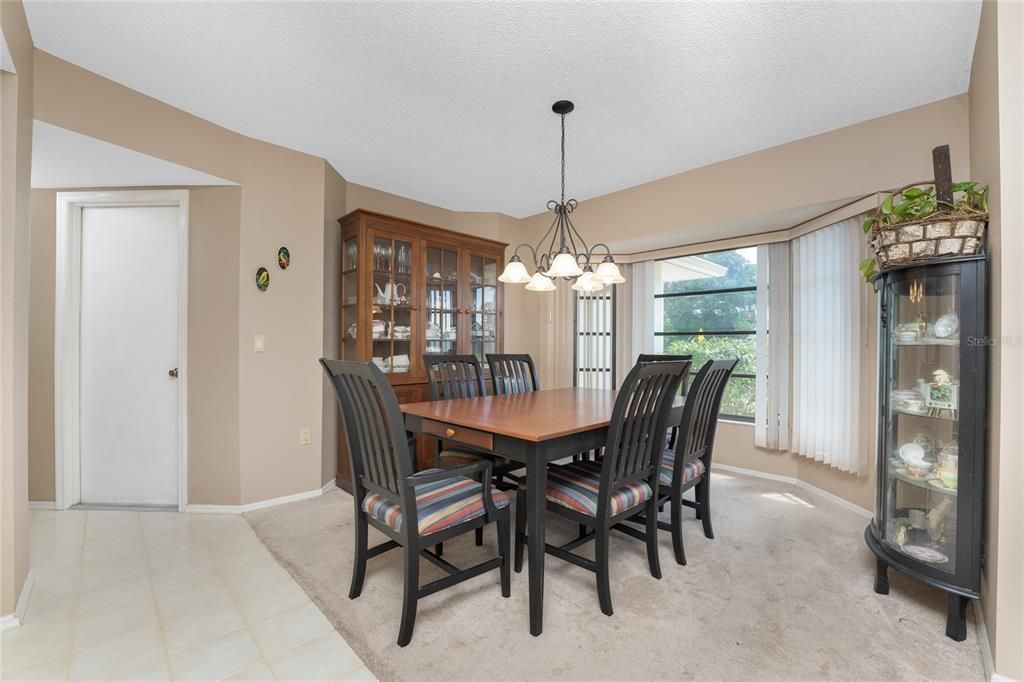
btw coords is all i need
(562, 251)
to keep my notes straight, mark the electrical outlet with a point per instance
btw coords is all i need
(305, 436)
(258, 344)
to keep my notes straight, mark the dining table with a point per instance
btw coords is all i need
(533, 428)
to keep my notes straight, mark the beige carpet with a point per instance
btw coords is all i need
(783, 592)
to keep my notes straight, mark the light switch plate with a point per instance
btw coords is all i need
(258, 343)
(305, 436)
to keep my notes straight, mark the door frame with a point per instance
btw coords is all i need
(67, 349)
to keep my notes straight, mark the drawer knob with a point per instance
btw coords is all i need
(450, 432)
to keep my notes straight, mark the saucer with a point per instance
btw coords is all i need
(926, 554)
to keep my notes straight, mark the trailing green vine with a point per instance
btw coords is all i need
(920, 204)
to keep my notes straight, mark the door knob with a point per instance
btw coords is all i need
(173, 373)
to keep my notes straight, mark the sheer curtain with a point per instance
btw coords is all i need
(771, 423)
(826, 311)
(635, 318)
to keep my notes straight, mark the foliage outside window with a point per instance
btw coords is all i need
(706, 306)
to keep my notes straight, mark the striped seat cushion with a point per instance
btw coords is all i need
(693, 469)
(575, 486)
(439, 505)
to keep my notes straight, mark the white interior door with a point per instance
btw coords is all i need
(128, 346)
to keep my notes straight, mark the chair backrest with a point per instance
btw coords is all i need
(637, 427)
(700, 414)
(374, 428)
(647, 358)
(454, 376)
(512, 373)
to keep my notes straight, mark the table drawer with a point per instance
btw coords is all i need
(459, 434)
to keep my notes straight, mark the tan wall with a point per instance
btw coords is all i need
(997, 155)
(984, 130)
(214, 457)
(282, 202)
(41, 349)
(15, 172)
(480, 224)
(852, 161)
(335, 203)
(213, 467)
(280, 390)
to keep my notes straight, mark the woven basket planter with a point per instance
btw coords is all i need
(938, 236)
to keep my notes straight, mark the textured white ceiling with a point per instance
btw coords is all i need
(62, 158)
(449, 103)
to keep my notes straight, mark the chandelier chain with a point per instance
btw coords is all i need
(563, 158)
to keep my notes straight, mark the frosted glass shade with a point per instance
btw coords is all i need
(564, 265)
(608, 272)
(588, 283)
(540, 283)
(515, 273)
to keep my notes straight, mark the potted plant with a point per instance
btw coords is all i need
(914, 224)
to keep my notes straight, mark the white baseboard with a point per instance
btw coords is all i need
(13, 620)
(253, 506)
(42, 505)
(846, 504)
(328, 487)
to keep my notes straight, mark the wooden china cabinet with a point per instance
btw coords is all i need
(409, 289)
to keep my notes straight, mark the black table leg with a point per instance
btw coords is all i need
(956, 617)
(536, 485)
(881, 577)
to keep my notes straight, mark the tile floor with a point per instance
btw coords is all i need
(161, 596)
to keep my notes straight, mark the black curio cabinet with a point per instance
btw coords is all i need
(930, 503)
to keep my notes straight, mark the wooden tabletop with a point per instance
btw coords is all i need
(535, 416)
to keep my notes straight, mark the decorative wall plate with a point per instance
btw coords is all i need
(284, 258)
(262, 278)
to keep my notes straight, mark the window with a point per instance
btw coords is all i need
(594, 356)
(706, 306)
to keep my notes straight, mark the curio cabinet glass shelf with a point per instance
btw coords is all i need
(929, 505)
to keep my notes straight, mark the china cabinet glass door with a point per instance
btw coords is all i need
(442, 301)
(391, 318)
(921, 427)
(350, 298)
(483, 305)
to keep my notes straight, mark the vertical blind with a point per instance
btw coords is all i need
(826, 320)
(771, 423)
(595, 339)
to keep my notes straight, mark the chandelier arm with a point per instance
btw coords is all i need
(579, 236)
(533, 252)
(540, 244)
(572, 239)
(607, 250)
(556, 230)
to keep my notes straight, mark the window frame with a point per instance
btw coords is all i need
(732, 333)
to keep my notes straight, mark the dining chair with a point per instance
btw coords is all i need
(688, 464)
(512, 373)
(452, 377)
(599, 495)
(415, 510)
(646, 358)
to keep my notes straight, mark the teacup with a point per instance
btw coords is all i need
(918, 468)
(948, 478)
